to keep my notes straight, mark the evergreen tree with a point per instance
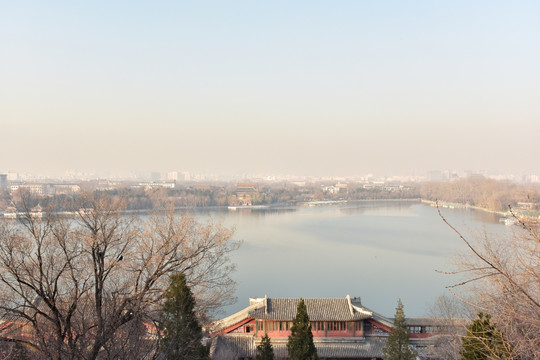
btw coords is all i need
(483, 341)
(265, 351)
(300, 344)
(182, 332)
(397, 343)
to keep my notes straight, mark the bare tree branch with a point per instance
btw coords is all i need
(88, 288)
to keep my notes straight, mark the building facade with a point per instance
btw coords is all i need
(342, 329)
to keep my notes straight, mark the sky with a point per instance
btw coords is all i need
(278, 87)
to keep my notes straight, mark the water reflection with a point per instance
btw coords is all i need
(380, 251)
(379, 208)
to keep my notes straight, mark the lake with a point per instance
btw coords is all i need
(379, 251)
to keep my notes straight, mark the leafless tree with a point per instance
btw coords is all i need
(502, 278)
(91, 287)
(451, 316)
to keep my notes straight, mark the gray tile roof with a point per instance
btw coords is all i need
(234, 318)
(371, 348)
(436, 322)
(241, 346)
(232, 347)
(320, 309)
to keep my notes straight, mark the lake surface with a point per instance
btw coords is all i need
(379, 251)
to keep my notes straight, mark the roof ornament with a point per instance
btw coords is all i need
(348, 297)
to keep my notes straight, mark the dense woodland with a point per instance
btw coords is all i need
(484, 193)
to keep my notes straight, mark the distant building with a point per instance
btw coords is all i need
(530, 178)
(46, 189)
(202, 187)
(159, 184)
(36, 212)
(247, 188)
(11, 211)
(3, 181)
(245, 193)
(66, 189)
(342, 329)
(35, 189)
(436, 176)
(172, 176)
(373, 185)
(335, 189)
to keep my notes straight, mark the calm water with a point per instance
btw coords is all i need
(379, 251)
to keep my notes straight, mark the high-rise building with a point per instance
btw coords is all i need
(173, 175)
(3, 181)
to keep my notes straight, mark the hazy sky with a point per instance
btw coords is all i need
(302, 87)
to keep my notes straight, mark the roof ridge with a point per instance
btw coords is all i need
(348, 297)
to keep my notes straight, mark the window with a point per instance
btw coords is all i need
(284, 325)
(433, 329)
(379, 330)
(415, 329)
(337, 326)
(367, 327)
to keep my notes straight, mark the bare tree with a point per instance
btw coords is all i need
(502, 277)
(451, 316)
(91, 288)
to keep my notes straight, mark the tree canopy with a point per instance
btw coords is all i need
(182, 337)
(484, 341)
(300, 344)
(265, 351)
(397, 343)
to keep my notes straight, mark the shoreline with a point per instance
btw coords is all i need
(442, 204)
(451, 205)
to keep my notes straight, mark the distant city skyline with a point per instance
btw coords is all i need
(190, 177)
(304, 88)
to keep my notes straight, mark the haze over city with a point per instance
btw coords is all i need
(296, 87)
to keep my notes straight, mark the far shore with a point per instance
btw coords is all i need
(447, 204)
(279, 206)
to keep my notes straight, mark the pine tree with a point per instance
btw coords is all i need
(483, 341)
(182, 332)
(300, 344)
(265, 351)
(397, 343)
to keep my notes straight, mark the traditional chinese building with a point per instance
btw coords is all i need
(342, 329)
(245, 193)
